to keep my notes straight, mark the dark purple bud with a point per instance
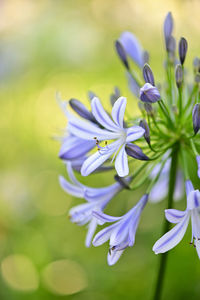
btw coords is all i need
(91, 95)
(115, 95)
(179, 75)
(81, 110)
(122, 54)
(182, 48)
(135, 152)
(145, 126)
(168, 28)
(196, 118)
(149, 93)
(148, 74)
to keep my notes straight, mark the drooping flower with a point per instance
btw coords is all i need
(114, 129)
(181, 218)
(160, 189)
(97, 199)
(122, 233)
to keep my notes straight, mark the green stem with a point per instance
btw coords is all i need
(166, 226)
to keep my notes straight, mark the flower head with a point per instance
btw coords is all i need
(97, 199)
(181, 218)
(122, 232)
(149, 93)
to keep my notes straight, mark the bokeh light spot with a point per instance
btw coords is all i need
(19, 273)
(64, 277)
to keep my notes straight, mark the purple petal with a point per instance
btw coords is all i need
(105, 193)
(132, 47)
(91, 230)
(121, 163)
(75, 147)
(71, 189)
(174, 215)
(118, 111)
(105, 218)
(113, 257)
(193, 200)
(101, 115)
(195, 217)
(198, 165)
(172, 237)
(103, 236)
(134, 133)
(188, 187)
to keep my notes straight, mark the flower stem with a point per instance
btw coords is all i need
(166, 225)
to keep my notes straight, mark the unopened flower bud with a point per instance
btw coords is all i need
(196, 64)
(148, 108)
(145, 126)
(183, 46)
(122, 54)
(81, 110)
(135, 152)
(179, 75)
(168, 28)
(196, 118)
(148, 74)
(149, 93)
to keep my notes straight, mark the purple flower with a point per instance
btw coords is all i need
(122, 233)
(97, 199)
(181, 218)
(132, 47)
(114, 130)
(160, 189)
(149, 93)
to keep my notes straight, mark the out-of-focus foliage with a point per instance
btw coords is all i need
(67, 46)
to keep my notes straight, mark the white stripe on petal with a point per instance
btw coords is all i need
(170, 239)
(118, 111)
(103, 236)
(91, 230)
(101, 115)
(121, 163)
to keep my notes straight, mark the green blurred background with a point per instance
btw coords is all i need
(67, 46)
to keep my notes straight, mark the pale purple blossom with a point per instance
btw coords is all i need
(149, 93)
(97, 199)
(182, 218)
(121, 233)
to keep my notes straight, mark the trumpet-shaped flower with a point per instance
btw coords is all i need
(181, 218)
(97, 199)
(121, 233)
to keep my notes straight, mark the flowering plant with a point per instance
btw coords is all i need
(161, 139)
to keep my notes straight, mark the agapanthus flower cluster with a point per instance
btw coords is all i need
(152, 151)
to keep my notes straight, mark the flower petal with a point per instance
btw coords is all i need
(134, 133)
(104, 218)
(72, 176)
(71, 189)
(91, 230)
(121, 163)
(103, 236)
(132, 47)
(193, 199)
(88, 131)
(195, 217)
(174, 215)
(188, 187)
(101, 115)
(170, 239)
(75, 147)
(113, 257)
(102, 194)
(94, 161)
(118, 111)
